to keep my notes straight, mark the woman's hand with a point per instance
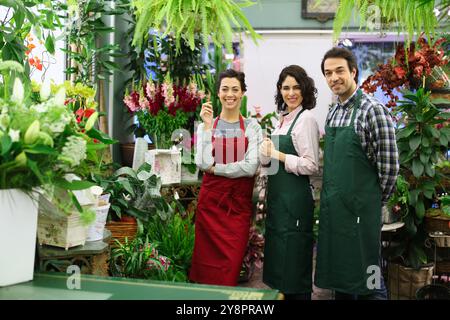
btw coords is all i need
(207, 115)
(267, 147)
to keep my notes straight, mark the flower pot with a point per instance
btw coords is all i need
(18, 216)
(404, 282)
(95, 230)
(121, 230)
(166, 163)
(58, 229)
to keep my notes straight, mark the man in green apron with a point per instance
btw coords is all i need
(360, 170)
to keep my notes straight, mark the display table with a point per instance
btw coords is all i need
(92, 257)
(53, 286)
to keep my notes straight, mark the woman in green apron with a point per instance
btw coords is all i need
(293, 155)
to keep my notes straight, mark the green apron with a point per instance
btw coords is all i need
(350, 213)
(289, 224)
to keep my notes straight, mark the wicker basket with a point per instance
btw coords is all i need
(121, 230)
(404, 282)
(437, 224)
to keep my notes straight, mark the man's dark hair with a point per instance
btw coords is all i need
(338, 52)
(309, 91)
(230, 73)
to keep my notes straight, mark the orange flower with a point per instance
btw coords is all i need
(31, 46)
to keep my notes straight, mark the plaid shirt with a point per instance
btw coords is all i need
(376, 131)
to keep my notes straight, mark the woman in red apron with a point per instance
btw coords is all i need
(227, 150)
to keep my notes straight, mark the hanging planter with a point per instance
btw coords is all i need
(211, 19)
(18, 216)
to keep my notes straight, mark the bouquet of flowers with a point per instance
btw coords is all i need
(408, 69)
(41, 141)
(163, 108)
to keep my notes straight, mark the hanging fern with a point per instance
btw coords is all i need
(215, 19)
(409, 16)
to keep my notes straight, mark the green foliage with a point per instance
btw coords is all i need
(421, 146)
(211, 19)
(164, 58)
(133, 193)
(141, 259)
(409, 16)
(174, 235)
(20, 18)
(93, 60)
(161, 126)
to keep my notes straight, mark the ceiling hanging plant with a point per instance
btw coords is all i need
(411, 17)
(211, 19)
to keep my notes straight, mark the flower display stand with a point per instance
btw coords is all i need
(166, 163)
(57, 229)
(18, 216)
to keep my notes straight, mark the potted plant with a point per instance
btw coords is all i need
(421, 143)
(409, 69)
(134, 194)
(211, 19)
(40, 144)
(410, 17)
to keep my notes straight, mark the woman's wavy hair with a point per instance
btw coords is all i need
(309, 91)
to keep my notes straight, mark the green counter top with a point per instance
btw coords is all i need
(54, 286)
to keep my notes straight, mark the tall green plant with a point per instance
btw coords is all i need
(93, 60)
(212, 19)
(421, 146)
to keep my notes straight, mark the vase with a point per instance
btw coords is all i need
(18, 216)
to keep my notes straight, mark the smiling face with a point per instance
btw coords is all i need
(339, 77)
(291, 93)
(230, 93)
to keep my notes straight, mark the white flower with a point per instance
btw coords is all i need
(60, 96)
(14, 135)
(18, 91)
(127, 197)
(41, 108)
(45, 91)
(4, 121)
(74, 151)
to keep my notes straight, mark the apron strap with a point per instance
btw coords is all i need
(241, 125)
(293, 123)
(356, 105)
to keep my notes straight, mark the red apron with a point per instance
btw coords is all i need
(223, 217)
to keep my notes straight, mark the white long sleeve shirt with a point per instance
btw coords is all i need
(244, 168)
(305, 138)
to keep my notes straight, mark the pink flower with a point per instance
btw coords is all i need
(132, 101)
